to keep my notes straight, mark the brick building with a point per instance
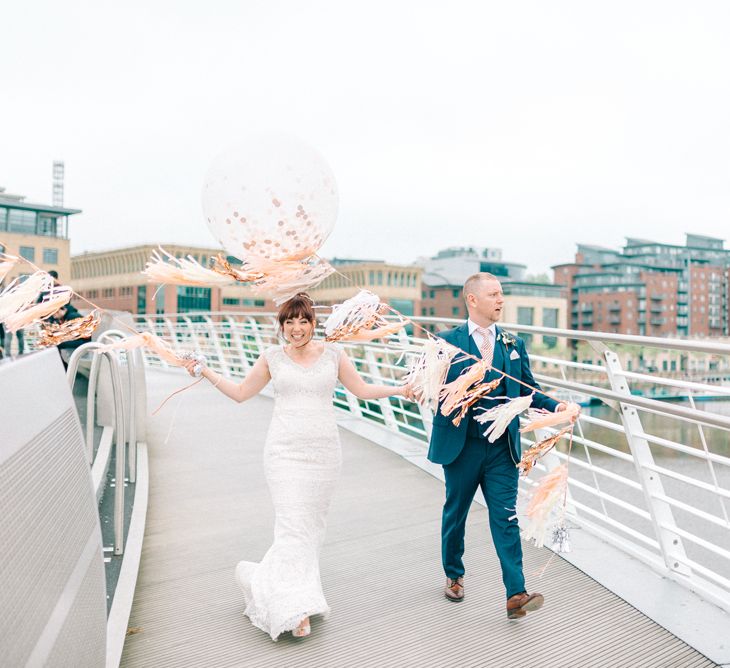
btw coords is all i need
(650, 288)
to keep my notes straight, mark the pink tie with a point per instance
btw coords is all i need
(486, 348)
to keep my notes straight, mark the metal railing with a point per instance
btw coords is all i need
(116, 399)
(649, 476)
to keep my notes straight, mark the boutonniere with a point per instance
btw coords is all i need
(507, 338)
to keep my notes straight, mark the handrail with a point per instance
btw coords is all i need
(119, 428)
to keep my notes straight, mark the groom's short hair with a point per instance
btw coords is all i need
(471, 283)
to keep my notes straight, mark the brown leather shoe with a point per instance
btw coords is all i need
(520, 604)
(454, 589)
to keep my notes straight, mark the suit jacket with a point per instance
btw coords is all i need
(447, 440)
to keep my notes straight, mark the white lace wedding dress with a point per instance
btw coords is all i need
(302, 463)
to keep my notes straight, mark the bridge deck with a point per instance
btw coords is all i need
(209, 508)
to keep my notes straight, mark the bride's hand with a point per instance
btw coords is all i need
(408, 392)
(189, 366)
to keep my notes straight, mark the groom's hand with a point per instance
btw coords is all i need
(564, 406)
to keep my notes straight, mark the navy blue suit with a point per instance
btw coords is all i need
(470, 461)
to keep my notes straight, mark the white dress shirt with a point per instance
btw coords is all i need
(477, 336)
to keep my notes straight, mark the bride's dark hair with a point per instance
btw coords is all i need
(299, 306)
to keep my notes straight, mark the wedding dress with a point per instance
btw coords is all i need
(302, 463)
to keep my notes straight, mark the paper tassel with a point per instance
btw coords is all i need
(540, 418)
(427, 371)
(23, 298)
(148, 340)
(359, 319)
(181, 271)
(277, 279)
(21, 294)
(225, 268)
(548, 493)
(561, 538)
(7, 262)
(282, 279)
(79, 328)
(377, 333)
(537, 451)
(453, 393)
(471, 397)
(502, 415)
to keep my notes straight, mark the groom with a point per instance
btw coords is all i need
(471, 461)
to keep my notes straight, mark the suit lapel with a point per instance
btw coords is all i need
(500, 356)
(463, 340)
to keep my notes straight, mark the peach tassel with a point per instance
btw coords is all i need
(539, 419)
(545, 497)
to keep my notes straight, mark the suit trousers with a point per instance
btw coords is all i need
(489, 466)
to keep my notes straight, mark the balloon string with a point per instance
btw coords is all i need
(182, 389)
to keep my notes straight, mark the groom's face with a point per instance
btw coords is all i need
(485, 302)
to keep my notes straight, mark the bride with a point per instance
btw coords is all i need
(301, 462)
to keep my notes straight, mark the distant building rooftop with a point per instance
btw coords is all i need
(18, 202)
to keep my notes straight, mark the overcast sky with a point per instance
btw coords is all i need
(523, 125)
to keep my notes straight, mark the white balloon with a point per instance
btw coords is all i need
(272, 197)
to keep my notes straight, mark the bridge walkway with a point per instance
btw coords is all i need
(209, 508)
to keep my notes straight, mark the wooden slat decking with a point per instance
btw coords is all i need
(209, 508)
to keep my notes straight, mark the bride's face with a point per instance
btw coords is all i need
(298, 331)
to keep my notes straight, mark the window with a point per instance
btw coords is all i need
(456, 293)
(28, 252)
(192, 299)
(432, 294)
(50, 256)
(107, 293)
(405, 306)
(455, 310)
(141, 299)
(525, 315)
(21, 221)
(125, 291)
(46, 225)
(231, 301)
(3, 219)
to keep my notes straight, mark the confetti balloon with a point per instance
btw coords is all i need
(272, 197)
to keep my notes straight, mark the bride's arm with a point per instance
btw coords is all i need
(252, 384)
(352, 380)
